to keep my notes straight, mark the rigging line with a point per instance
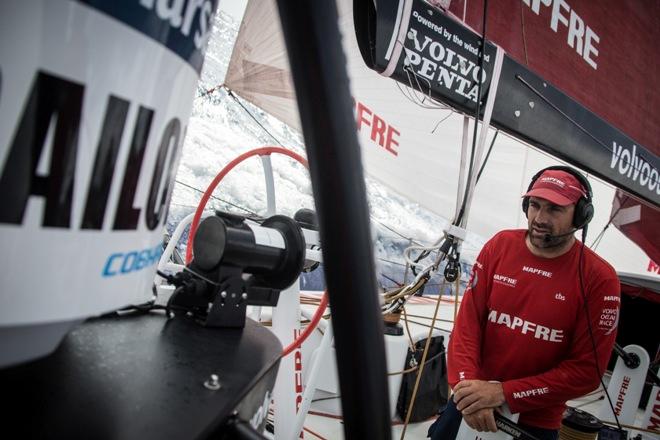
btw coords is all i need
(524, 38)
(441, 121)
(584, 130)
(488, 113)
(412, 93)
(410, 96)
(198, 275)
(182, 205)
(419, 86)
(476, 113)
(405, 93)
(209, 91)
(607, 225)
(392, 262)
(421, 324)
(231, 94)
(436, 104)
(413, 369)
(409, 71)
(398, 284)
(411, 345)
(483, 165)
(449, 321)
(218, 198)
(395, 231)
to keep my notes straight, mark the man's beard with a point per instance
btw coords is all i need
(547, 240)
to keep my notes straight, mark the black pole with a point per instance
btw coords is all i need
(321, 83)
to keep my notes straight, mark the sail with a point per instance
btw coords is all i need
(410, 142)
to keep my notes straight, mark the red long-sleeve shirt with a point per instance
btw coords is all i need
(523, 322)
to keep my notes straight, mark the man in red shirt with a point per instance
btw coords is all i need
(538, 320)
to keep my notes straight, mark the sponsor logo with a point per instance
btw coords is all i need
(297, 371)
(625, 383)
(122, 263)
(543, 273)
(54, 104)
(553, 181)
(654, 416)
(653, 267)
(633, 166)
(501, 279)
(526, 327)
(184, 27)
(182, 16)
(478, 264)
(580, 36)
(612, 298)
(609, 318)
(442, 57)
(532, 392)
(560, 297)
(381, 132)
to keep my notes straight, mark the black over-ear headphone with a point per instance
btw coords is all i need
(584, 209)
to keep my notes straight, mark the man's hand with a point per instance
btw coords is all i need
(474, 395)
(481, 420)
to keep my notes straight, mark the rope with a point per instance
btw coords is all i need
(522, 25)
(440, 329)
(231, 94)
(209, 91)
(413, 397)
(598, 238)
(411, 343)
(415, 368)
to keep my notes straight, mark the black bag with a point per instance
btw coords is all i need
(432, 391)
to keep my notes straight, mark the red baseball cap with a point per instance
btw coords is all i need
(557, 186)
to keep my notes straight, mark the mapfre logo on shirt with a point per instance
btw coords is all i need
(507, 281)
(536, 271)
(526, 327)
